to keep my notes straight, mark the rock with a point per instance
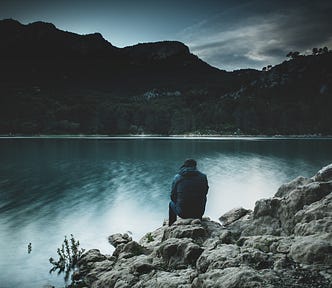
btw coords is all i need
(298, 199)
(315, 218)
(92, 256)
(288, 187)
(165, 279)
(129, 249)
(264, 243)
(313, 249)
(179, 252)
(324, 175)
(216, 258)
(188, 231)
(117, 239)
(285, 242)
(244, 277)
(233, 215)
(142, 265)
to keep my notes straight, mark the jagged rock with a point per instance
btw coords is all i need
(118, 238)
(324, 175)
(263, 243)
(315, 218)
(164, 279)
(288, 187)
(179, 252)
(129, 249)
(285, 242)
(217, 257)
(142, 265)
(313, 249)
(93, 256)
(298, 199)
(267, 207)
(188, 231)
(244, 277)
(233, 215)
(265, 225)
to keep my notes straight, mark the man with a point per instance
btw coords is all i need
(188, 195)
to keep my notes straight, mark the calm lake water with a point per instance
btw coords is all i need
(93, 188)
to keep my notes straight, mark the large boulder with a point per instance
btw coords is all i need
(286, 241)
(233, 215)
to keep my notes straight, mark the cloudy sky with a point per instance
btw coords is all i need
(226, 34)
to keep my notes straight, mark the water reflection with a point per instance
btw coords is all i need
(93, 188)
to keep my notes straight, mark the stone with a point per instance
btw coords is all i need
(216, 258)
(232, 277)
(312, 249)
(298, 199)
(324, 175)
(233, 215)
(117, 239)
(288, 187)
(286, 241)
(92, 256)
(129, 249)
(179, 252)
(166, 279)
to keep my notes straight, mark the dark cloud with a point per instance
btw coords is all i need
(261, 36)
(225, 33)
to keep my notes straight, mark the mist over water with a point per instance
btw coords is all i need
(93, 188)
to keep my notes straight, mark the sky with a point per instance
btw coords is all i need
(226, 34)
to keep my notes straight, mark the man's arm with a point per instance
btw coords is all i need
(206, 183)
(174, 189)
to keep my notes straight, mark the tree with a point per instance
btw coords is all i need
(293, 55)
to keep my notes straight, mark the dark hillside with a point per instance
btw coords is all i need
(52, 81)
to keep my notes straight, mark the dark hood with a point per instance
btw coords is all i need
(188, 171)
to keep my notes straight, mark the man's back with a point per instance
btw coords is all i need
(189, 191)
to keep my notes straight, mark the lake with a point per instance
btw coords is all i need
(94, 187)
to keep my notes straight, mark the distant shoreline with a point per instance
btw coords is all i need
(170, 137)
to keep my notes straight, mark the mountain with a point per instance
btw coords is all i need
(52, 81)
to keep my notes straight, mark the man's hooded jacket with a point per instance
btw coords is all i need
(189, 189)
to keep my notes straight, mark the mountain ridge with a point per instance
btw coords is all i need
(54, 81)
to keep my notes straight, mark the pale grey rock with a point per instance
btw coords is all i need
(142, 265)
(187, 231)
(324, 175)
(233, 215)
(262, 242)
(285, 242)
(255, 259)
(299, 199)
(266, 225)
(179, 253)
(196, 221)
(128, 250)
(234, 277)
(216, 258)
(117, 239)
(92, 256)
(164, 279)
(288, 187)
(313, 249)
(267, 207)
(152, 239)
(315, 218)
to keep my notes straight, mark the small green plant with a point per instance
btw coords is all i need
(69, 254)
(149, 237)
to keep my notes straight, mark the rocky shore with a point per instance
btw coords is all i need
(286, 241)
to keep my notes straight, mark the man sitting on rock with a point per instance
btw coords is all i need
(188, 195)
